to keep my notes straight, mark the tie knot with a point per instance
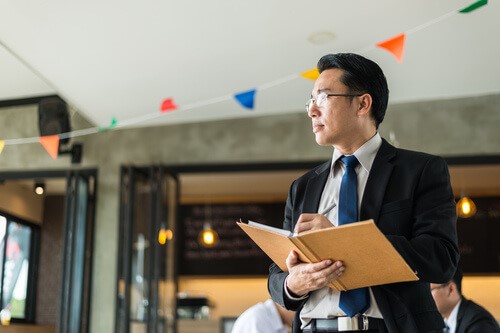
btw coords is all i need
(349, 161)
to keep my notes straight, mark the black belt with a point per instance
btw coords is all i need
(344, 324)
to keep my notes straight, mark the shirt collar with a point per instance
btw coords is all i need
(365, 154)
(451, 321)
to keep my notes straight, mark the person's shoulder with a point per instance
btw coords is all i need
(471, 306)
(408, 152)
(257, 318)
(325, 166)
(477, 316)
(412, 156)
(247, 321)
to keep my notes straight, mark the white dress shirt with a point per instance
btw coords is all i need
(260, 318)
(324, 303)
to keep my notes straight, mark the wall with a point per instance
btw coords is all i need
(21, 202)
(50, 262)
(222, 293)
(484, 290)
(448, 127)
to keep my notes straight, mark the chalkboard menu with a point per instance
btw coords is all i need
(478, 238)
(235, 253)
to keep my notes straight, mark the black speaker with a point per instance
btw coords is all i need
(53, 117)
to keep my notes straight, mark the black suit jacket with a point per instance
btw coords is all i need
(473, 318)
(409, 196)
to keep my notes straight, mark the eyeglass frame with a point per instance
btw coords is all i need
(315, 100)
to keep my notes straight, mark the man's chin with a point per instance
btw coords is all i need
(321, 140)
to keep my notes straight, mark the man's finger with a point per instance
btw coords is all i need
(292, 259)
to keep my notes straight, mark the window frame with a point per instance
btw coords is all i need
(30, 305)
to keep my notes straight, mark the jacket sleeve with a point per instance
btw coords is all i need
(431, 248)
(276, 280)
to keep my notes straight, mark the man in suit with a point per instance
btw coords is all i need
(460, 314)
(264, 317)
(407, 194)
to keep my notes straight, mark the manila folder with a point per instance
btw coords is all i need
(369, 258)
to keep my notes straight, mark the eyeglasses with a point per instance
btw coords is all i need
(440, 286)
(321, 99)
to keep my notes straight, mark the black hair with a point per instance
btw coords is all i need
(457, 278)
(361, 75)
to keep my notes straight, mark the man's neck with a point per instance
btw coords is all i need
(452, 307)
(350, 147)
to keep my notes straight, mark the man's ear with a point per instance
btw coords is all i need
(452, 288)
(365, 105)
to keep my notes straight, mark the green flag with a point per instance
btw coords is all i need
(474, 6)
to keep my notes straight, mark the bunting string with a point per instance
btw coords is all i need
(246, 99)
(431, 22)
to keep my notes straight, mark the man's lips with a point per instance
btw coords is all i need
(317, 127)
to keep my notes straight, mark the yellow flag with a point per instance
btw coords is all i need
(311, 74)
(2, 144)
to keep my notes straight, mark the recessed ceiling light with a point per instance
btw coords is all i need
(321, 37)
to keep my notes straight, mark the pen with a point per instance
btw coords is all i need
(328, 209)
(323, 212)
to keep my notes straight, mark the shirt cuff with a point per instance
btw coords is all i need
(289, 295)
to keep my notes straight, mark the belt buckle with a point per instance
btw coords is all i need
(352, 324)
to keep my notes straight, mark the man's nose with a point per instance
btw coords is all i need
(313, 110)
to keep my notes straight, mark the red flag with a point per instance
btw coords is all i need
(168, 105)
(51, 144)
(395, 45)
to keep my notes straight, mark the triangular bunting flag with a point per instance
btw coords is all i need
(395, 45)
(246, 98)
(168, 105)
(51, 144)
(473, 7)
(310, 74)
(113, 124)
(2, 144)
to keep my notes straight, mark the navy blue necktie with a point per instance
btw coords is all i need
(352, 301)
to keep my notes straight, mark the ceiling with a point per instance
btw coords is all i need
(121, 59)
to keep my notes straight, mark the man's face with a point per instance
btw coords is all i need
(442, 296)
(335, 121)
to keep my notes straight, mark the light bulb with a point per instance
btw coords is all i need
(39, 188)
(208, 237)
(164, 235)
(466, 207)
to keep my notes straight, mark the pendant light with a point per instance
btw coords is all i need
(465, 207)
(208, 237)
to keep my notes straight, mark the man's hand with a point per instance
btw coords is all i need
(308, 222)
(304, 278)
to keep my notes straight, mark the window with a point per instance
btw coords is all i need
(16, 268)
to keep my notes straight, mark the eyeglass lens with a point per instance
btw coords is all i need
(320, 100)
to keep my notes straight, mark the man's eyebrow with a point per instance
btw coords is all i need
(319, 91)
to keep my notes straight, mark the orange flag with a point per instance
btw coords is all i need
(395, 45)
(51, 144)
(311, 74)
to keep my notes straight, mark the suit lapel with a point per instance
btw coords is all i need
(460, 314)
(315, 187)
(377, 182)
